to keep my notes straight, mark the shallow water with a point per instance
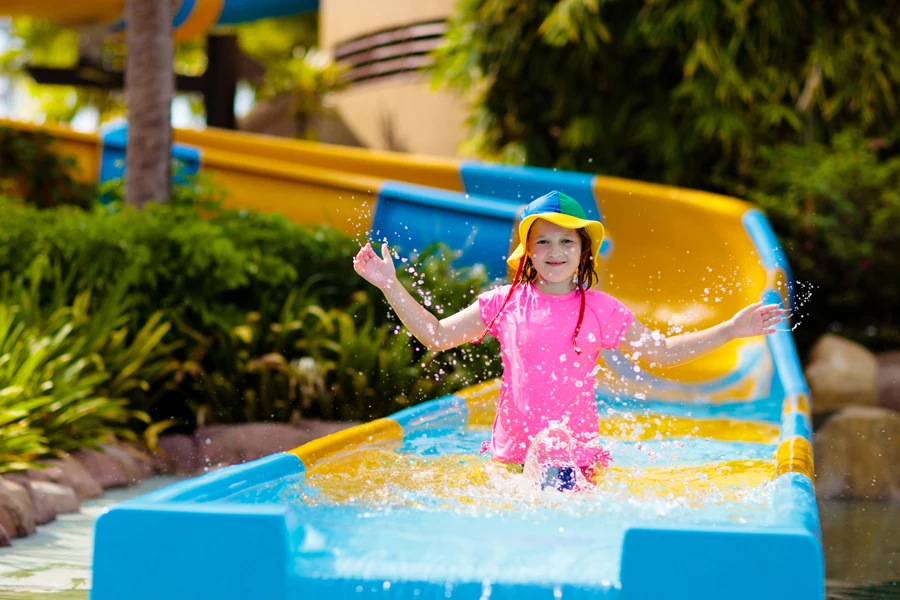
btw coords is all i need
(455, 515)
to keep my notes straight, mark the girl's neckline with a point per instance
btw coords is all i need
(553, 297)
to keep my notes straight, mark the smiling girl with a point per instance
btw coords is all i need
(551, 327)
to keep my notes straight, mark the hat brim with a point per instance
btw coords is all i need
(594, 229)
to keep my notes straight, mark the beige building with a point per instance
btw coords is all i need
(389, 103)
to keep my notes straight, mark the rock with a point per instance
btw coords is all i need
(50, 473)
(889, 380)
(160, 464)
(43, 512)
(134, 465)
(857, 454)
(841, 373)
(149, 463)
(5, 539)
(216, 446)
(61, 499)
(109, 469)
(221, 445)
(16, 512)
(68, 472)
(179, 452)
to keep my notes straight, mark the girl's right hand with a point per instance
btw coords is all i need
(380, 272)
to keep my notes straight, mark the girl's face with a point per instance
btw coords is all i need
(554, 251)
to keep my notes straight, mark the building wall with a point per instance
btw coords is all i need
(343, 20)
(395, 110)
(405, 116)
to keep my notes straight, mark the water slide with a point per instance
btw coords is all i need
(190, 18)
(710, 493)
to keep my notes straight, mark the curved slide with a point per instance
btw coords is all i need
(710, 494)
(190, 18)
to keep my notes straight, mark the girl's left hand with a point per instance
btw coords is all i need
(756, 319)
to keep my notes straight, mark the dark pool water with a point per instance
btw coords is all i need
(862, 548)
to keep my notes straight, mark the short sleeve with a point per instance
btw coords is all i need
(489, 304)
(616, 319)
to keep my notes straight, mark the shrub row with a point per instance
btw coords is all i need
(264, 319)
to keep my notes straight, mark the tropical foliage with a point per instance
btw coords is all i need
(838, 208)
(679, 92)
(68, 369)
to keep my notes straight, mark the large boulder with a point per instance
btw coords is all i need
(841, 373)
(857, 454)
(16, 511)
(889, 380)
(5, 538)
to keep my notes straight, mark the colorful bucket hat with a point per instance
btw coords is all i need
(562, 210)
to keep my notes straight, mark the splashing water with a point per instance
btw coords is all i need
(453, 513)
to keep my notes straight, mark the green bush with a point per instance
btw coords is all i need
(335, 363)
(269, 320)
(205, 269)
(836, 210)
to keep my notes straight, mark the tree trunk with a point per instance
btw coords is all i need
(149, 87)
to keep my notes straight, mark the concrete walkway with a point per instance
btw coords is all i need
(55, 562)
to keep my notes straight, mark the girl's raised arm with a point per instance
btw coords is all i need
(652, 347)
(457, 329)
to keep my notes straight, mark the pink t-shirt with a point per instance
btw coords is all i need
(544, 379)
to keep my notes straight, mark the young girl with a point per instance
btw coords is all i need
(551, 326)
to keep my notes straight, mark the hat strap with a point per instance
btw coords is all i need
(502, 306)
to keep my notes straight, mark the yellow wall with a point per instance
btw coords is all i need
(398, 112)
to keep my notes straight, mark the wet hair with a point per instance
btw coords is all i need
(585, 275)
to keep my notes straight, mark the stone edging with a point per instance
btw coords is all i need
(36, 496)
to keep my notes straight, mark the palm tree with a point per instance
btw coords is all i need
(149, 87)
